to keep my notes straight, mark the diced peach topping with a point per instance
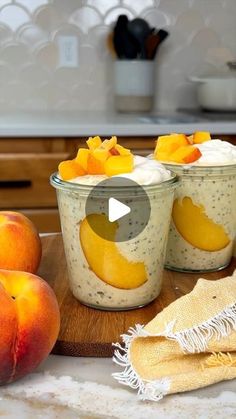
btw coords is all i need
(109, 144)
(98, 159)
(121, 150)
(116, 165)
(69, 169)
(163, 156)
(185, 154)
(170, 143)
(101, 154)
(201, 136)
(95, 166)
(190, 139)
(94, 142)
(114, 152)
(82, 157)
(179, 148)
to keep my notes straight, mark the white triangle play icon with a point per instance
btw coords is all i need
(116, 210)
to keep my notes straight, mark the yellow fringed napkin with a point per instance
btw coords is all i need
(190, 344)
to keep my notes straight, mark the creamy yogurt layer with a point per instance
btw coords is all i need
(216, 152)
(145, 172)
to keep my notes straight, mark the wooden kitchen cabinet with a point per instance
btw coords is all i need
(26, 165)
(25, 168)
(24, 179)
(46, 219)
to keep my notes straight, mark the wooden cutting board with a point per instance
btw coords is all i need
(88, 332)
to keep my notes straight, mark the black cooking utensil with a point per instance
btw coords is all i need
(125, 44)
(140, 29)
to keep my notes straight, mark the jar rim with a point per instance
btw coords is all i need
(58, 183)
(210, 170)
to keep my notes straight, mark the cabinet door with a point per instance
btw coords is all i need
(24, 179)
(45, 219)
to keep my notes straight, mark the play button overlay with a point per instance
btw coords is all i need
(118, 209)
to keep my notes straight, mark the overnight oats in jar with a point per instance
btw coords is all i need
(114, 264)
(203, 223)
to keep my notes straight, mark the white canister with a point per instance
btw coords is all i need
(134, 85)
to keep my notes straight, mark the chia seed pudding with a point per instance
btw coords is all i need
(210, 183)
(148, 247)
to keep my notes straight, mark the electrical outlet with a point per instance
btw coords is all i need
(68, 51)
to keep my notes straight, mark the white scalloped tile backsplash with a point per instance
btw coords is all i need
(202, 38)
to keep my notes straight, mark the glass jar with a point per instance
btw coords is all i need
(94, 263)
(203, 224)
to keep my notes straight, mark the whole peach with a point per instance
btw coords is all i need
(20, 244)
(29, 323)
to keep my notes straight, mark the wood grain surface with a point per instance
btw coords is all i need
(89, 332)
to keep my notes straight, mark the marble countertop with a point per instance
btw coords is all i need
(71, 124)
(82, 388)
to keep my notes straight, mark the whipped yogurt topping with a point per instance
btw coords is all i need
(216, 152)
(145, 172)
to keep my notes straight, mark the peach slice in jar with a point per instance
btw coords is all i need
(104, 258)
(196, 227)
